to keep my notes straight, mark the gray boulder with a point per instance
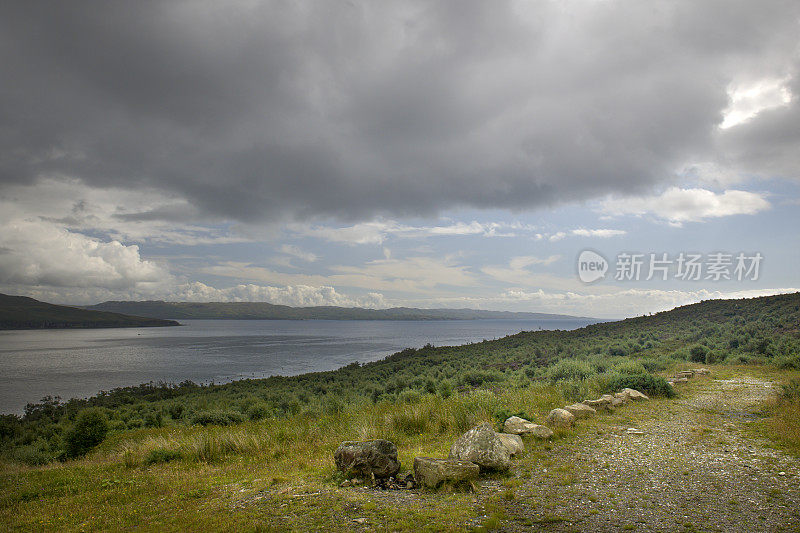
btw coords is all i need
(365, 459)
(560, 418)
(482, 446)
(519, 426)
(635, 395)
(433, 472)
(580, 410)
(600, 404)
(512, 442)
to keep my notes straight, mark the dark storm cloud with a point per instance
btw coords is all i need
(255, 111)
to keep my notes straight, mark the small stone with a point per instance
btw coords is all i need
(781, 473)
(345, 483)
(360, 520)
(634, 431)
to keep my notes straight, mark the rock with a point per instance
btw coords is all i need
(622, 396)
(433, 472)
(541, 432)
(703, 371)
(680, 380)
(560, 418)
(601, 404)
(372, 458)
(519, 426)
(635, 395)
(512, 442)
(482, 446)
(580, 410)
(617, 402)
(360, 520)
(634, 431)
(685, 374)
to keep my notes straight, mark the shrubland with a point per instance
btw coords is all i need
(430, 390)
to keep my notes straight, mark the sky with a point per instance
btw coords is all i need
(380, 154)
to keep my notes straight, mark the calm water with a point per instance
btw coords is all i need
(79, 363)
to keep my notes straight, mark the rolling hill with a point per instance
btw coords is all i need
(20, 312)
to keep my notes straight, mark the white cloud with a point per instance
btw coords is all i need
(294, 295)
(748, 100)
(296, 251)
(377, 231)
(36, 252)
(599, 233)
(688, 205)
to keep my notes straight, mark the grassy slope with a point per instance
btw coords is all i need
(279, 470)
(19, 312)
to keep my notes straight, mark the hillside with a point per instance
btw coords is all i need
(257, 455)
(267, 311)
(20, 312)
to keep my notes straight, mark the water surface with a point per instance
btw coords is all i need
(80, 363)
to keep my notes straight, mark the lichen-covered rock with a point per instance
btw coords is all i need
(512, 442)
(365, 459)
(580, 410)
(560, 418)
(622, 396)
(685, 374)
(635, 395)
(517, 425)
(702, 371)
(541, 432)
(680, 380)
(482, 446)
(433, 472)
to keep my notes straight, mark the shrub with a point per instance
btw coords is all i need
(475, 378)
(258, 411)
(409, 396)
(31, 456)
(161, 455)
(630, 367)
(89, 430)
(647, 383)
(216, 418)
(570, 370)
(697, 353)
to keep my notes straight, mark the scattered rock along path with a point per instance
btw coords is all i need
(695, 467)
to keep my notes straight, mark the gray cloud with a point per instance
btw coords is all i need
(259, 111)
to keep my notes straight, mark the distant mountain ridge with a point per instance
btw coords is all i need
(21, 312)
(267, 311)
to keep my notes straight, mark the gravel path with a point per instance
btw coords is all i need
(694, 468)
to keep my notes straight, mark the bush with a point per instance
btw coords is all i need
(570, 370)
(31, 456)
(161, 455)
(89, 430)
(647, 383)
(697, 353)
(259, 411)
(216, 418)
(630, 367)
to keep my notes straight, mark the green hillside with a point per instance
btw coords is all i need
(20, 312)
(267, 311)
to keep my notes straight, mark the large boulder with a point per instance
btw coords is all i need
(512, 442)
(635, 395)
(580, 410)
(433, 472)
(482, 446)
(560, 418)
(702, 371)
(365, 459)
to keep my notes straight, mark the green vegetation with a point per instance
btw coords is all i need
(256, 454)
(19, 312)
(580, 363)
(266, 311)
